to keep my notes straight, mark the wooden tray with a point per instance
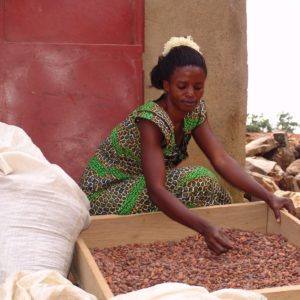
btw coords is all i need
(109, 231)
(297, 206)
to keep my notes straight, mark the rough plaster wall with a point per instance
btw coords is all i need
(219, 27)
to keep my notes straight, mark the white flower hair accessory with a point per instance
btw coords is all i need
(180, 41)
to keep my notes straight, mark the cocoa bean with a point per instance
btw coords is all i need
(256, 261)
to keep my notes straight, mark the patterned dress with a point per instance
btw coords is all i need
(113, 179)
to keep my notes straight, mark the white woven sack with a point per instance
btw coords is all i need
(42, 210)
(41, 285)
(182, 291)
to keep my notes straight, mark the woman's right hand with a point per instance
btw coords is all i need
(216, 239)
(155, 176)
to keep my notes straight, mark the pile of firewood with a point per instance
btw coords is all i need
(274, 161)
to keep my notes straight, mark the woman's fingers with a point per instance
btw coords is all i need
(225, 241)
(219, 244)
(289, 205)
(217, 240)
(285, 203)
(277, 214)
(216, 247)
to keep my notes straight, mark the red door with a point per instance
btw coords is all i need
(69, 71)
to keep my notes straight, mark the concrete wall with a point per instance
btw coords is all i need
(219, 27)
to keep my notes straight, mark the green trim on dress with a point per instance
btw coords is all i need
(101, 170)
(190, 124)
(94, 196)
(195, 174)
(147, 106)
(120, 150)
(132, 197)
(145, 115)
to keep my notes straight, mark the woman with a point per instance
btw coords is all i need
(134, 169)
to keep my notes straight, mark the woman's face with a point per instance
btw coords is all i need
(185, 87)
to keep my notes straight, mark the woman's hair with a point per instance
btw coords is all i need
(180, 56)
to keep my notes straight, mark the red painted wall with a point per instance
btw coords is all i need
(69, 71)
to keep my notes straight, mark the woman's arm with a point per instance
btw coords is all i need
(228, 168)
(154, 172)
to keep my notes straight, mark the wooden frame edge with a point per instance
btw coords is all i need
(147, 227)
(207, 208)
(298, 211)
(83, 262)
(288, 223)
(281, 292)
(289, 226)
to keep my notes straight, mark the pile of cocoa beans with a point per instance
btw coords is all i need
(256, 261)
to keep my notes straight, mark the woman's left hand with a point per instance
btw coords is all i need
(277, 203)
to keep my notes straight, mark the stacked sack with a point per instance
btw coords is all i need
(42, 210)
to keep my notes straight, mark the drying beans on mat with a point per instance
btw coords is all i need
(257, 261)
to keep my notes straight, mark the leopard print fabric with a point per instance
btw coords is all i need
(113, 179)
